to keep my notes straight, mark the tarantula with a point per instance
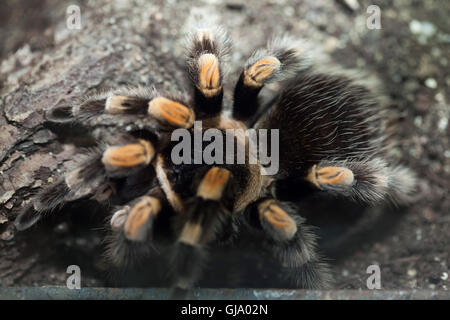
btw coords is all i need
(331, 141)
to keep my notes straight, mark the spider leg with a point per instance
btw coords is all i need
(133, 226)
(278, 61)
(123, 160)
(291, 241)
(123, 101)
(95, 176)
(125, 154)
(206, 51)
(368, 181)
(86, 180)
(200, 225)
(138, 108)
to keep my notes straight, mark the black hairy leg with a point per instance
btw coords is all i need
(139, 109)
(290, 241)
(85, 181)
(280, 60)
(207, 49)
(135, 226)
(109, 168)
(201, 225)
(368, 181)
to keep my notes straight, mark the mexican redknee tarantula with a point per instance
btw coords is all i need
(331, 141)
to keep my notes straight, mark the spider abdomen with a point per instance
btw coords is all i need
(325, 117)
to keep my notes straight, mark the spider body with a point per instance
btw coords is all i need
(331, 141)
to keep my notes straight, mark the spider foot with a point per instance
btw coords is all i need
(205, 57)
(199, 226)
(137, 220)
(120, 161)
(330, 177)
(171, 112)
(281, 59)
(275, 220)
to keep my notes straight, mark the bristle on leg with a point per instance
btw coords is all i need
(209, 75)
(199, 226)
(368, 181)
(171, 112)
(291, 242)
(140, 218)
(259, 72)
(322, 177)
(206, 51)
(125, 105)
(121, 160)
(280, 60)
(213, 184)
(276, 220)
(119, 218)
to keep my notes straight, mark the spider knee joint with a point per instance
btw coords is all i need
(209, 75)
(127, 156)
(323, 177)
(213, 184)
(261, 71)
(137, 221)
(171, 112)
(274, 218)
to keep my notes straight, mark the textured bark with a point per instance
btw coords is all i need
(140, 43)
(108, 51)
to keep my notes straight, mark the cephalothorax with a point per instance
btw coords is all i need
(331, 141)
